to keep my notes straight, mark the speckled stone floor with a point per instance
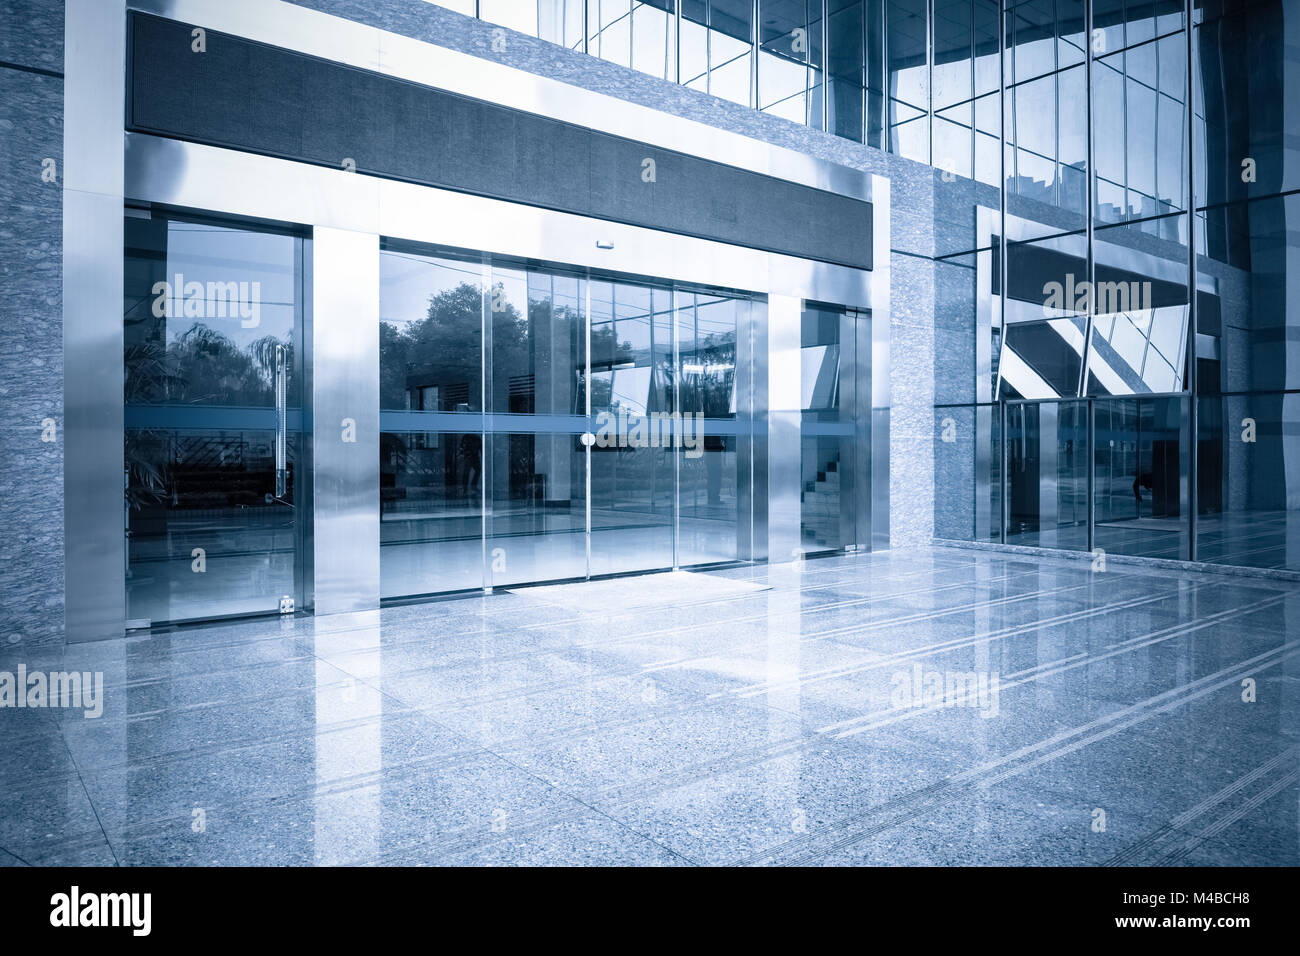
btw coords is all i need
(922, 707)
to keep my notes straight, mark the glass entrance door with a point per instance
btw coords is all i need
(835, 429)
(212, 330)
(633, 472)
(544, 425)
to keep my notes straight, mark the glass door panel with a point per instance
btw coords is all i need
(212, 353)
(1047, 465)
(633, 480)
(1139, 464)
(431, 424)
(540, 425)
(827, 428)
(537, 523)
(709, 463)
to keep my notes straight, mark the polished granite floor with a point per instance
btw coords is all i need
(940, 706)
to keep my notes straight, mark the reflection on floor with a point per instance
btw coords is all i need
(1253, 539)
(932, 707)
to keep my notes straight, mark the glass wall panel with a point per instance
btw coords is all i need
(846, 68)
(909, 79)
(731, 50)
(1139, 335)
(609, 30)
(1046, 318)
(694, 45)
(654, 38)
(431, 423)
(213, 415)
(1141, 462)
(1043, 36)
(1248, 482)
(1047, 475)
(785, 52)
(511, 14)
(1246, 87)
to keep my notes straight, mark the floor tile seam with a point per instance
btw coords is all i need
(942, 647)
(1192, 840)
(1150, 844)
(587, 802)
(638, 670)
(405, 770)
(912, 617)
(988, 775)
(90, 801)
(248, 743)
(11, 853)
(141, 716)
(566, 816)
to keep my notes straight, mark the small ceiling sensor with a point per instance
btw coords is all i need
(604, 244)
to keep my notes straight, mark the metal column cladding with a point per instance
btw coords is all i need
(94, 535)
(345, 419)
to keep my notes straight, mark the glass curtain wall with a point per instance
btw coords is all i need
(542, 425)
(1247, 233)
(1152, 332)
(1080, 201)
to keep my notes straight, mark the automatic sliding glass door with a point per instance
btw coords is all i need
(542, 425)
(431, 424)
(633, 480)
(536, 526)
(713, 472)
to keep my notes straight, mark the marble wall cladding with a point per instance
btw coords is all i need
(31, 321)
(911, 427)
(31, 34)
(913, 207)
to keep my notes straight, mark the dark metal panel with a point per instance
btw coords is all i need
(257, 98)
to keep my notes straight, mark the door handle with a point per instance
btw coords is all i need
(281, 423)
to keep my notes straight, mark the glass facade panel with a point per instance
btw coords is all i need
(609, 30)
(785, 52)
(846, 68)
(907, 40)
(654, 38)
